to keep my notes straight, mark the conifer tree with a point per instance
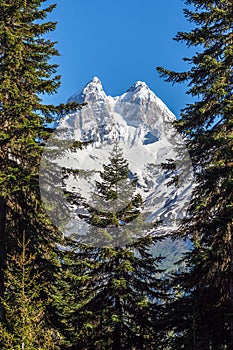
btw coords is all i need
(202, 315)
(121, 296)
(25, 73)
(25, 326)
(113, 215)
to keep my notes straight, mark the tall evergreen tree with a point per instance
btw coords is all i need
(121, 296)
(25, 73)
(202, 316)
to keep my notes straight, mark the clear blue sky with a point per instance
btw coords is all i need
(120, 42)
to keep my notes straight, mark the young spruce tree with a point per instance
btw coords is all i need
(118, 298)
(202, 317)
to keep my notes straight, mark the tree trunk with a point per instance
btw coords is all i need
(2, 252)
(229, 228)
(117, 336)
(117, 329)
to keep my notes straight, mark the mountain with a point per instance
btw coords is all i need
(125, 116)
(142, 125)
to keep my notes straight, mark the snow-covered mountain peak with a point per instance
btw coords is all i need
(139, 93)
(138, 108)
(96, 80)
(93, 92)
(138, 85)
